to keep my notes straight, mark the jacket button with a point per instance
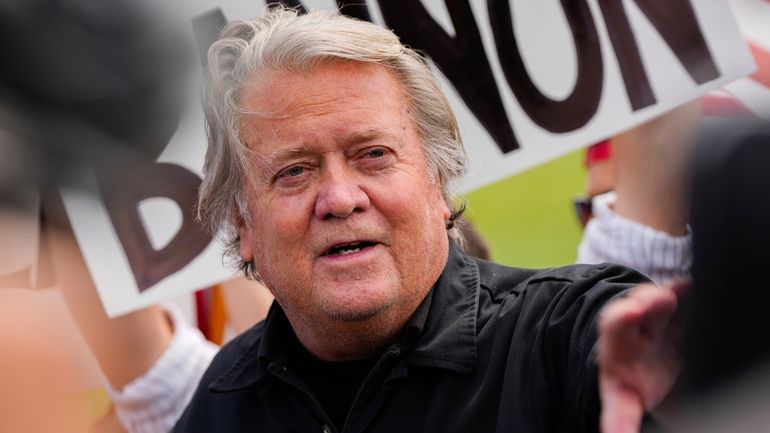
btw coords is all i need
(326, 429)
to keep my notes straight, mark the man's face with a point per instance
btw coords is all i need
(345, 223)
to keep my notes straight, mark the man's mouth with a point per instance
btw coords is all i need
(349, 248)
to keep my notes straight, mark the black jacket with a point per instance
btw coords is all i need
(491, 349)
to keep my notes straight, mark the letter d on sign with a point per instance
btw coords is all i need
(149, 265)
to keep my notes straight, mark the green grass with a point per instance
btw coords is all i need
(528, 218)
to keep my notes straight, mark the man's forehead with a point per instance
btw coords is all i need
(266, 134)
(351, 102)
(276, 94)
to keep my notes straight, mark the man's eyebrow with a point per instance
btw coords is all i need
(279, 157)
(374, 134)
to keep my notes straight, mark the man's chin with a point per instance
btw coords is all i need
(348, 313)
(355, 307)
(355, 297)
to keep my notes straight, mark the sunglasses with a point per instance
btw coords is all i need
(583, 209)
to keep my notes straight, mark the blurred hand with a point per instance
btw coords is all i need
(637, 357)
(126, 346)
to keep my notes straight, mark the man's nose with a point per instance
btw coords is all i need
(339, 196)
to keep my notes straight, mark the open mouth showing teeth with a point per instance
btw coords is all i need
(341, 250)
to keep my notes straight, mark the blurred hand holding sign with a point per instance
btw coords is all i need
(529, 80)
(754, 91)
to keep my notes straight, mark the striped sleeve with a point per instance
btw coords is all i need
(609, 237)
(153, 402)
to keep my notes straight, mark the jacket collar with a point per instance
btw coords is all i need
(447, 336)
(441, 333)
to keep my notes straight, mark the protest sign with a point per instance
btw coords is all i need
(529, 80)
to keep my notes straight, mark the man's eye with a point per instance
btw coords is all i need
(376, 153)
(376, 158)
(292, 171)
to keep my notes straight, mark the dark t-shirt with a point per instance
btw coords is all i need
(334, 384)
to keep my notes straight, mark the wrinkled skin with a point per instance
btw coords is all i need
(339, 161)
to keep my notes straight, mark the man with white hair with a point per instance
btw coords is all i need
(332, 151)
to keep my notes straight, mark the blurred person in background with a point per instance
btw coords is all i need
(636, 208)
(43, 366)
(152, 358)
(638, 200)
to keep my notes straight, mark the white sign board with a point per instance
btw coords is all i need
(526, 86)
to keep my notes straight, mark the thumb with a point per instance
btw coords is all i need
(622, 408)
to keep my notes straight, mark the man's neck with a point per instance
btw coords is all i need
(348, 340)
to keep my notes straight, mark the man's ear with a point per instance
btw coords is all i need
(244, 235)
(445, 211)
(443, 207)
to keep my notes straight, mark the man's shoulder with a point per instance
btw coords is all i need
(227, 372)
(590, 274)
(246, 340)
(243, 348)
(505, 279)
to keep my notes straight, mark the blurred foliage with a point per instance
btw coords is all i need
(528, 219)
